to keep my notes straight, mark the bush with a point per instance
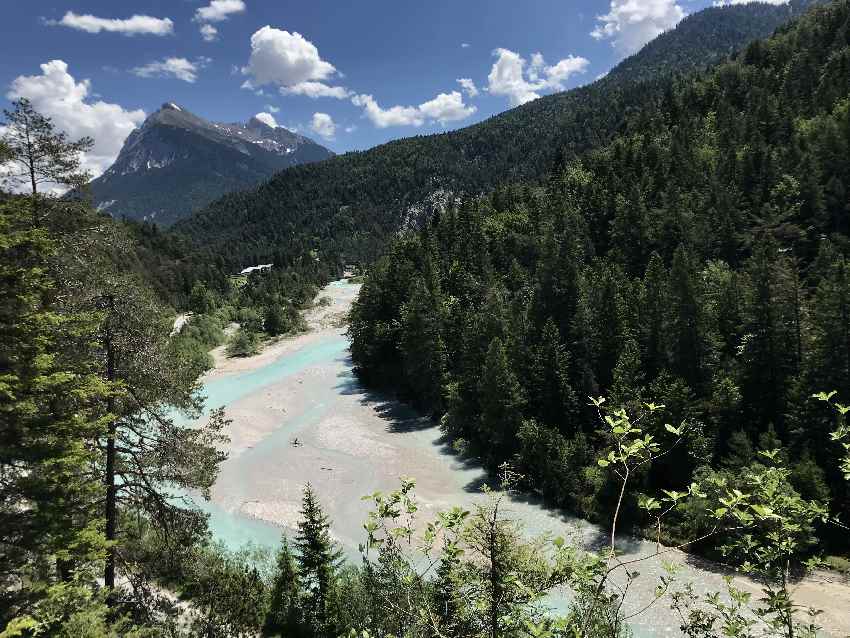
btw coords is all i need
(244, 343)
(250, 319)
(205, 329)
(838, 563)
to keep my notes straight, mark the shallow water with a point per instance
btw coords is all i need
(352, 442)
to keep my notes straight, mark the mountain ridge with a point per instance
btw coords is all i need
(352, 203)
(177, 162)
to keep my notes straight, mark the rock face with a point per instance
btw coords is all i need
(177, 162)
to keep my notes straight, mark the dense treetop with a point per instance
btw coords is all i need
(698, 260)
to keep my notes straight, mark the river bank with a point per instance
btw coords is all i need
(299, 415)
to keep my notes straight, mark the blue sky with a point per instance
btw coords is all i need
(359, 73)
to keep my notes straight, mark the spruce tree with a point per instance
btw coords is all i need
(284, 616)
(501, 403)
(49, 399)
(686, 338)
(422, 346)
(319, 559)
(653, 317)
(551, 397)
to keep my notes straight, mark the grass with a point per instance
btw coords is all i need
(838, 563)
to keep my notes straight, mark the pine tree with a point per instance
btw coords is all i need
(147, 452)
(284, 615)
(653, 317)
(686, 338)
(40, 155)
(551, 397)
(49, 399)
(423, 350)
(318, 563)
(501, 403)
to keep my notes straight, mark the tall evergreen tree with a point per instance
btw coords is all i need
(685, 328)
(422, 347)
(318, 564)
(501, 403)
(49, 398)
(284, 616)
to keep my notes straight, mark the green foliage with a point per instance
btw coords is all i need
(284, 615)
(243, 343)
(70, 610)
(696, 257)
(318, 561)
(227, 594)
(51, 396)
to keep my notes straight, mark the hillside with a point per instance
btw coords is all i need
(698, 262)
(177, 162)
(346, 207)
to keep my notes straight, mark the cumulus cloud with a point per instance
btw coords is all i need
(316, 90)
(630, 24)
(446, 107)
(272, 109)
(179, 68)
(208, 32)
(218, 10)
(507, 77)
(393, 116)
(323, 125)
(520, 82)
(465, 45)
(286, 59)
(56, 94)
(267, 119)
(468, 86)
(135, 25)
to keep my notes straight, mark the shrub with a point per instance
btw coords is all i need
(243, 343)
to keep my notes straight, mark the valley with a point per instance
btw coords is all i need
(253, 386)
(300, 415)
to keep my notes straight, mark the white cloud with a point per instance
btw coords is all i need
(272, 109)
(468, 86)
(179, 68)
(446, 107)
(350, 129)
(286, 59)
(465, 45)
(520, 82)
(559, 73)
(726, 3)
(394, 116)
(267, 119)
(56, 94)
(630, 24)
(208, 32)
(316, 90)
(135, 25)
(324, 125)
(507, 77)
(219, 10)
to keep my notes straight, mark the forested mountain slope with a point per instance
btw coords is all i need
(698, 261)
(345, 208)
